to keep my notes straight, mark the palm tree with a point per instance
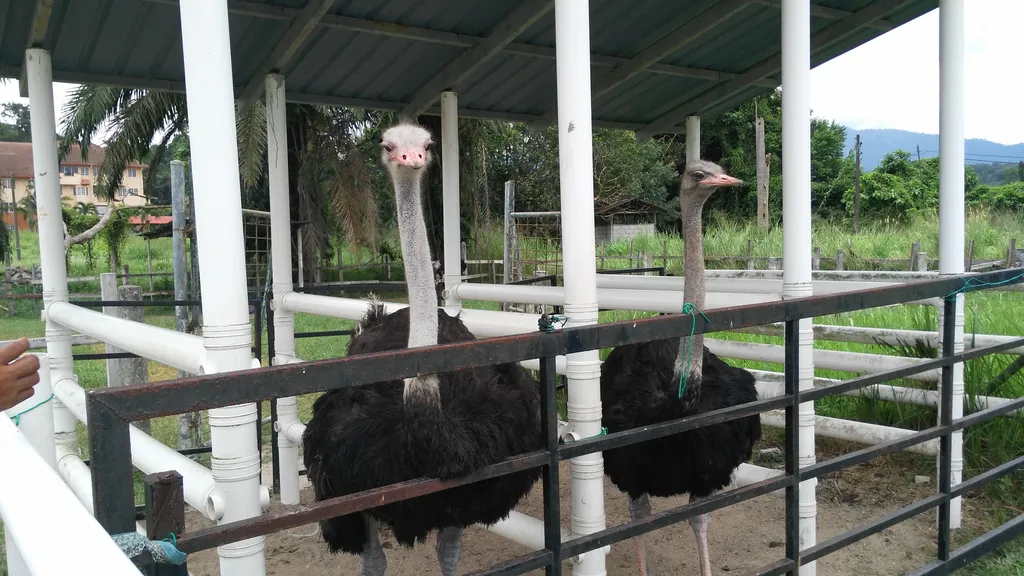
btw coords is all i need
(326, 171)
(86, 208)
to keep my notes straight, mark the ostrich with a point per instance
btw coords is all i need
(651, 382)
(432, 425)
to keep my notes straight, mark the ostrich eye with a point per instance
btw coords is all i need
(698, 175)
(387, 147)
(428, 146)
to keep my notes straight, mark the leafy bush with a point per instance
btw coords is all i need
(1000, 198)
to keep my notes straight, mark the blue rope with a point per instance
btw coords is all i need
(17, 417)
(684, 375)
(976, 283)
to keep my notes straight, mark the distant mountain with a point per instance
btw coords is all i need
(876, 143)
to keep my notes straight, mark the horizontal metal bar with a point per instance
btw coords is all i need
(874, 527)
(135, 303)
(383, 286)
(882, 377)
(783, 566)
(661, 429)
(630, 270)
(865, 454)
(295, 516)
(534, 280)
(988, 476)
(170, 397)
(521, 565)
(660, 520)
(324, 333)
(975, 549)
(106, 356)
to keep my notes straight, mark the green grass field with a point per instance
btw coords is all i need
(987, 313)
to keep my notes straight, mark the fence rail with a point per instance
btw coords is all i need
(111, 411)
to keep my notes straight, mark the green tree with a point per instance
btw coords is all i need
(20, 127)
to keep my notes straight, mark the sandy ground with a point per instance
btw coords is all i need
(743, 537)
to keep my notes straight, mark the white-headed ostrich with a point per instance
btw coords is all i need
(643, 384)
(435, 425)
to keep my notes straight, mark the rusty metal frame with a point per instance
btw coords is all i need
(111, 410)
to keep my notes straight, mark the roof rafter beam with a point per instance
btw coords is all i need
(305, 21)
(829, 13)
(686, 34)
(507, 30)
(41, 13)
(390, 29)
(772, 65)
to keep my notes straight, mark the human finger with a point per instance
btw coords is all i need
(13, 350)
(25, 365)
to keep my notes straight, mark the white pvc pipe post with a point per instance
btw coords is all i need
(48, 207)
(35, 420)
(281, 262)
(951, 201)
(450, 196)
(692, 139)
(576, 178)
(796, 234)
(206, 46)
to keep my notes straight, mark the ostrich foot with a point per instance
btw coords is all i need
(449, 546)
(641, 508)
(372, 561)
(700, 530)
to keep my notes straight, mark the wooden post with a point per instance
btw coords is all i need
(149, 264)
(165, 514)
(664, 254)
(922, 261)
(131, 371)
(816, 259)
(761, 163)
(387, 264)
(629, 250)
(856, 187)
(914, 249)
(510, 199)
(750, 254)
(1011, 254)
(35, 276)
(341, 263)
(124, 275)
(494, 276)
(969, 261)
(839, 260)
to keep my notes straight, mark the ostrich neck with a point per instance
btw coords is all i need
(419, 274)
(693, 281)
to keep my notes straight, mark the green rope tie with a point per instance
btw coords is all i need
(976, 283)
(546, 322)
(17, 417)
(684, 375)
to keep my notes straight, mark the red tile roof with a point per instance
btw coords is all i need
(16, 159)
(137, 220)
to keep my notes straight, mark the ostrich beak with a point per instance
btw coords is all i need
(414, 157)
(722, 180)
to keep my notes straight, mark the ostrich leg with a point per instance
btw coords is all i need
(449, 546)
(700, 531)
(641, 508)
(372, 561)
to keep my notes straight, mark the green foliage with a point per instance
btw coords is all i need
(1005, 197)
(6, 243)
(78, 222)
(20, 127)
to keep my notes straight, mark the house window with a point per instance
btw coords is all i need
(69, 170)
(85, 170)
(121, 192)
(81, 191)
(7, 183)
(133, 191)
(132, 173)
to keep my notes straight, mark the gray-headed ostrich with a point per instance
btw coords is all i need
(643, 384)
(433, 425)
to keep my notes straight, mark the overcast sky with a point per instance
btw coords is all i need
(893, 81)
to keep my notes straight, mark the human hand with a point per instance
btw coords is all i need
(17, 378)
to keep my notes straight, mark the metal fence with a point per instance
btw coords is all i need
(111, 410)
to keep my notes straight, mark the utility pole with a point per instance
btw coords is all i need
(919, 183)
(919, 156)
(14, 210)
(856, 186)
(762, 173)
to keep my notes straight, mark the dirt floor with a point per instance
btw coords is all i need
(743, 537)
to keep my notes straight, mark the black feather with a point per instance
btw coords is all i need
(366, 437)
(638, 388)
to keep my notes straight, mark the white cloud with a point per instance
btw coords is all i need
(893, 81)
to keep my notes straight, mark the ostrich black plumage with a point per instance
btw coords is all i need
(641, 384)
(436, 425)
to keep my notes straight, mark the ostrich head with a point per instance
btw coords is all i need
(405, 151)
(702, 178)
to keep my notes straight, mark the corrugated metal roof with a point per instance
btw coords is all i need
(382, 53)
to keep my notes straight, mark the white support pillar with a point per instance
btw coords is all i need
(576, 177)
(692, 139)
(50, 217)
(450, 197)
(281, 262)
(235, 460)
(796, 238)
(951, 199)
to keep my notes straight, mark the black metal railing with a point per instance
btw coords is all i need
(111, 410)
